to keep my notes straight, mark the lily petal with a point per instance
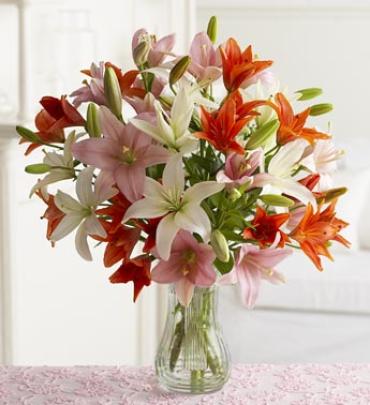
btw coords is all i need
(94, 227)
(282, 163)
(249, 284)
(166, 232)
(147, 128)
(81, 244)
(200, 191)
(66, 203)
(193, 218)
(84, 187)
(173, 174)
(145, 208)
(66, 226)
(184, 291)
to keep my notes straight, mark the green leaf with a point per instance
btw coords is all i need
(308, 94)
(27, 134)
(37, 168)
(222, 267)
(232, 236)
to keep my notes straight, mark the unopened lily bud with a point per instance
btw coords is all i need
(220, 246)
(332, 194)
(92, 122)
(308, 94)
(276, 200)
(234, 194)
(319, 109)
(112, 92)
(262, 135)
(27, 134)
(141, 52)
(37, 168)
(179, 69)
(212, 29)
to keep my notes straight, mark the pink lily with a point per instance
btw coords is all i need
(158, 49)
(124, 152)
(238, 170)
(253, 265)
(190, 265)
(146, 104)
(94, 91)
(266, 77)
(205, 59)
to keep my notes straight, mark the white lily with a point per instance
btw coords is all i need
(61, 165)
(322, 158)
(172, 130)
(278, 179)
(181, 209)
(81, 213)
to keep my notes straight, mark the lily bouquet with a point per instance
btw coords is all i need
(191, 170)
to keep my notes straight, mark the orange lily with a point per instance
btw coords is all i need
(315, 230)
(239, 67)
(292, 126)
(266, 228)
(52, 214)
(127, 82)
(221, 127)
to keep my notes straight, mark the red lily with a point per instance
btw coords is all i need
(310, 181)
(120, 243)
(136, 270)
(221, 127)
(238, 66)
(315, 230)
(266, 228)
(150, 228)
(292, 126)
(116, 211)
(56, 115)
(52, 214)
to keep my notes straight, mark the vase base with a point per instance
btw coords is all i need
(193, 386)
(190, 390)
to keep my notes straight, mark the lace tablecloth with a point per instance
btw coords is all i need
(261, 384)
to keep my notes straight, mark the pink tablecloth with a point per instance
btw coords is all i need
(313, 384)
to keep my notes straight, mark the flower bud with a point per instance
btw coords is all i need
(212, 29)
(262, 135)
(92, 122)
(276, 200)
(234, 194)
(112, 92)
(319, 109)
(220, 246)
(27, 134)
(332, 194)
(141, 52)
(308, 94)
(179, 69)
(37, 168)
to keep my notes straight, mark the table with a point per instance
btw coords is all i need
(260, 384)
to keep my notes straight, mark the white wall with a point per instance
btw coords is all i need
(59, 309)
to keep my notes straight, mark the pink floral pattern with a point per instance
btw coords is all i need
(257, 384)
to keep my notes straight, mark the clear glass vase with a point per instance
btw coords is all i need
(192, 356)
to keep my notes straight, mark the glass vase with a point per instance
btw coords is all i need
(192, 356)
